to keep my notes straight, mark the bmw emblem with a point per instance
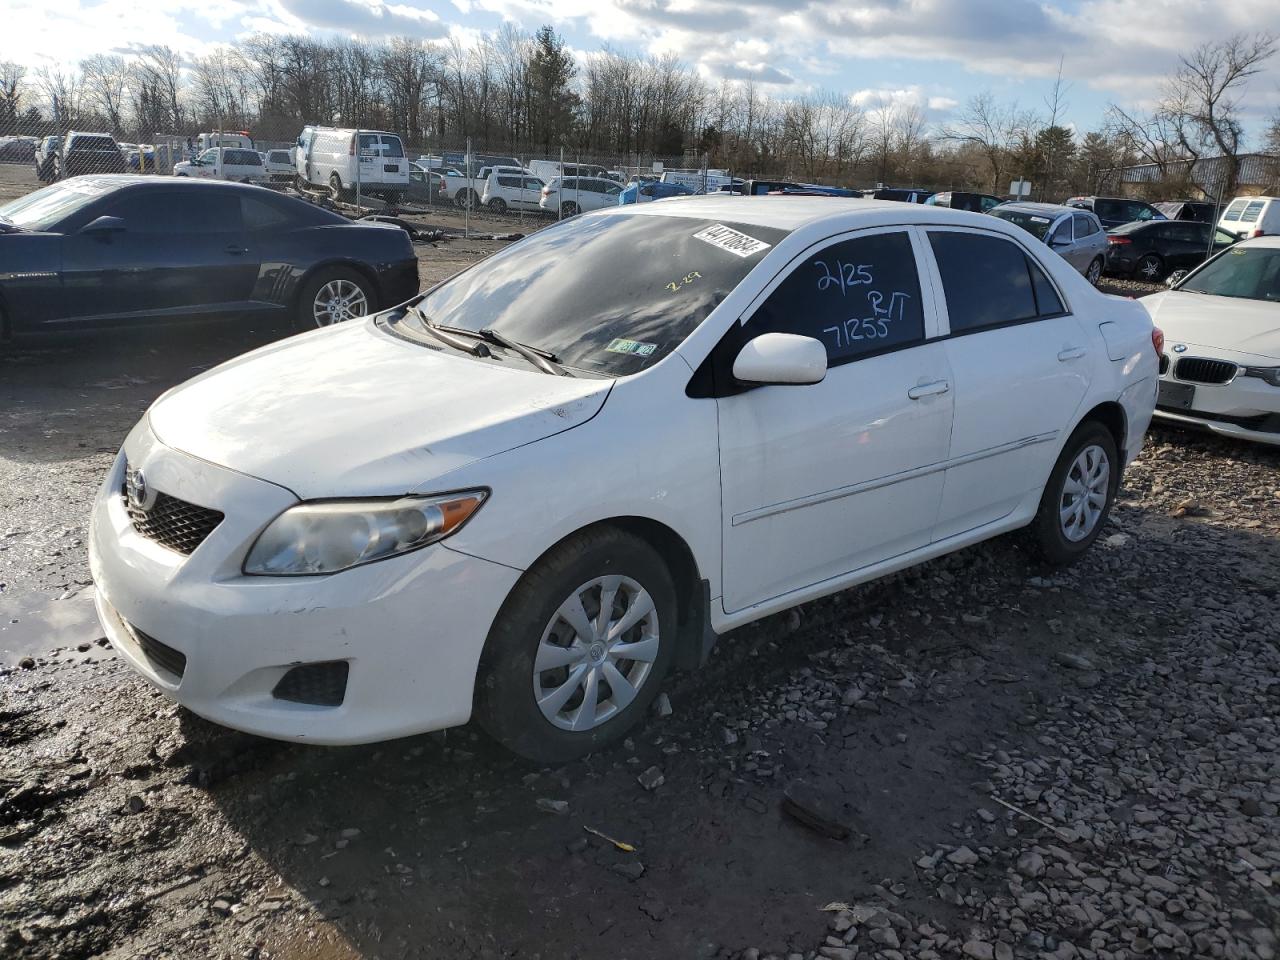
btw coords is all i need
(135, 490)
(1179, 348)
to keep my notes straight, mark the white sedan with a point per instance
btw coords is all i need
(1221, 368)
(552, 478)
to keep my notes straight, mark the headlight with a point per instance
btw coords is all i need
(1269, 374)
(325, 537)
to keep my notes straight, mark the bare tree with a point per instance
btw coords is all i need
(105, 79)
(992, 127)
(12, 90)
(159, 68)
(62, 93)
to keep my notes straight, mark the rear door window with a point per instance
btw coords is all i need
(1234, 211)
(1252, 211)
(988, 281)
(1084, 226)
(1110, 210)
(856, 296)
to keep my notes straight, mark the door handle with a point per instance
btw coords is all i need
(1071, 353)
(929, 389)
(236, 248)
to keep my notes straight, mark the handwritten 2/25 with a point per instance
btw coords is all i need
(846, 275)
(875, 327)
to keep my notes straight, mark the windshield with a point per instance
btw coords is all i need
(606, 294)
(1034, 223)
(1251, 273)
(44, 209)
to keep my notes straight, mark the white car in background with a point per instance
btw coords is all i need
(224, 163)
(279, 164)
(512, 191)
(555, 476)
(1248, 217)
(570, 196)
(1221, 364)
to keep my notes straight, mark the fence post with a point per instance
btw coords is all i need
(466, 209)
(559, 205)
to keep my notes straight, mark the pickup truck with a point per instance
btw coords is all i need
(224, 163)
(468, 192)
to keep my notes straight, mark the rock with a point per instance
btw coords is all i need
(27, 663)
(651, 779)
(978, 949)
(306, 840)
(1074, 660)
(963, 857)
(662, 705)
(547, 805)
(838, 953)
(631, 869)
(885, 936)
(135, 804)
(653, 908)
(349, 833)
(1031, 865)
(728, 737)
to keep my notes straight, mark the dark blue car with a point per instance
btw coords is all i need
(99, 251)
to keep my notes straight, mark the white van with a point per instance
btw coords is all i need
(327, 157)
(224, 163)
(1248, 217)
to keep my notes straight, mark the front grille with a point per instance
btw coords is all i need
(320, 684)
(1200, 370)
(160, 655)
(173, 523)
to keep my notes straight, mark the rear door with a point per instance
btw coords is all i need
(1021, 366)
(823, 479)
(182, 253)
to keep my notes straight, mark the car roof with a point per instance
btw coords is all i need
(120, 181)
(790, 212)
(1050, 209)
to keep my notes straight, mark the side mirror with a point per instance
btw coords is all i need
(104, 226)
(781, 358)
(1059, 241)
(1174, 278)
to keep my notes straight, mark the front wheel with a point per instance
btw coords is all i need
(580, 647)
(333, 296)
(1079, 495)
(1094, 273)
(1150, 268)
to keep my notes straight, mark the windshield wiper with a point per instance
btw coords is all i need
(444, 336)
(542, 359)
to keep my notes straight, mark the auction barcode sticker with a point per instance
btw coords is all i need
(726, 238)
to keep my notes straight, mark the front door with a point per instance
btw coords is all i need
(822, 479)
(1021, 367)
(182, 252)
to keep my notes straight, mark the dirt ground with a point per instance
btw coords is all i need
(1026, 761)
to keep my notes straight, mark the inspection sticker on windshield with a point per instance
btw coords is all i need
(726, 238)
(633, 347)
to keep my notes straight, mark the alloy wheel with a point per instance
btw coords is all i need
(339, 300)
(596, 653)
(1084, 493)
(1149, 267)
(1095, 272)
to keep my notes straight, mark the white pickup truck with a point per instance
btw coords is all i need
(225, 163)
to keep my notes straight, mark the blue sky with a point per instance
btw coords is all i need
(935, 53)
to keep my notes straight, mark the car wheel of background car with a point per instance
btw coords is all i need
(336, 190)
(580, 647)
(568, 209)
(498, 205)
(1079, 494)
(465, 198)
(334, 295)
(1149, 268)
(1094, 273)
(58, 172)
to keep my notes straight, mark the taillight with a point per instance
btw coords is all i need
(1118, 240)
(1157, 340)
(546, 191)
(1257, 233)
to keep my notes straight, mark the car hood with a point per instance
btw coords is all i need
(356, 411)
(1230, 323)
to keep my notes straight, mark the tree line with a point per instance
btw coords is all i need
(525, 94)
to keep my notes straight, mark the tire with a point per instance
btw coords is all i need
(531, 622)
(466, 199)
(329, 284)
(569, 209)
(336, 191)
(58, 172)
(498, 205)
(1062, 541)
(1094, 273)
(1150, 268)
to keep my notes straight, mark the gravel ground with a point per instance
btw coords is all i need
(981, 757)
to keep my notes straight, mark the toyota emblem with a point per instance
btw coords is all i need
(1179, 348)
(135, 490)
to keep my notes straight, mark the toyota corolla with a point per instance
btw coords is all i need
(531, 492)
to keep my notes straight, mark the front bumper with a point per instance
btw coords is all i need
(410, 629)
(1246, 408)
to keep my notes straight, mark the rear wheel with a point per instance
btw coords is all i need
(336, 190)
(569, 209)
(334, 295)
(1094, 273)
(1150, 268)
(466, 199)
(1078, 497)
(580, 647)
(498, 205)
